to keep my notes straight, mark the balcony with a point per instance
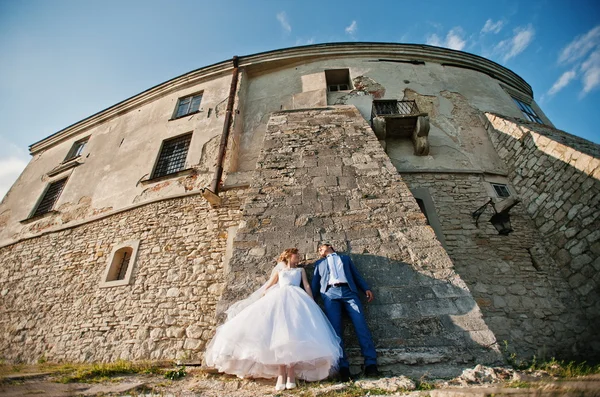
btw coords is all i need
(393, 119)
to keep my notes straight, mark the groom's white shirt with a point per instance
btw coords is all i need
(336, 269)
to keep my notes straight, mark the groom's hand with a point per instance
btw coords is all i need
(369, 294)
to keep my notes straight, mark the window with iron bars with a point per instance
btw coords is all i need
(76, 149)
(172, 155)
(188, 105)
(393, 106)
(528, 112)
(501, 190)
(50, 197)
(120, 264)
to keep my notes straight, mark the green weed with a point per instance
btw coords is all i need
(563, 369)
(176, 373)
(99, 372)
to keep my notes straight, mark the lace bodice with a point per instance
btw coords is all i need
(290, 277)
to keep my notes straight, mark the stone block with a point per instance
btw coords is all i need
(436, 307)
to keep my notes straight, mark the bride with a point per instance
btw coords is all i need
(282, 331)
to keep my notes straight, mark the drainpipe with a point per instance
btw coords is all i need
(214, 186)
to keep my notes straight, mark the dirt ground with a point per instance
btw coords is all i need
(197, 383)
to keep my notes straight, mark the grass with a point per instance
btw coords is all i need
(174, 374)
(563, 369)
(6, 369)
(519, 384)
(554, 367)
(99, 372)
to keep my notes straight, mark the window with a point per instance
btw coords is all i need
(120, 265)
(501, 190)
(76, 149)
(188, 105)
(172, 155)
(421, 205)
(528, 111)
(49, 198)
(338, 80)
(384, 107)
(425, 203)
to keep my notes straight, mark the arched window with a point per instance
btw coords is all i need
(120, 265)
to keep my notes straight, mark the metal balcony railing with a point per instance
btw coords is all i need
(392, 107)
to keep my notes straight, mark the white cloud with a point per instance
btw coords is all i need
(591, 72)
(282, 18)
(562, 82)
(580, 46)
(583, 52)
(512, 47)
(434, 39)
(351, 29)
(453, 39)
(305, 42)
(10, 169)
(493, 27)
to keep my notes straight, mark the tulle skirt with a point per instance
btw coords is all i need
(284, 327)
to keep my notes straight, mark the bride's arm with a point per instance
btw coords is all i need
(271, 282)
(306, 284)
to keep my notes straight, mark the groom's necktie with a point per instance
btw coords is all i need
(332, 267)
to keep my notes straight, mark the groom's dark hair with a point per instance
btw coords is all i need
(327, 245)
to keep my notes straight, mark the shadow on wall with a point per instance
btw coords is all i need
(556, 176)
(419, 324)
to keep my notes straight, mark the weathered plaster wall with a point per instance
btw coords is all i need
(322, 175)
(557, 175)
(514, 280)
(52, 305)
(119, 155)
(453, 96)
(458, 141)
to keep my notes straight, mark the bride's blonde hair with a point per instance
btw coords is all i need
(287, 254)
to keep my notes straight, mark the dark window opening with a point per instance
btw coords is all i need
(172, 156)
(50, 196)
(76, 149)
(422, 207)
(338, 80)
(187, 105)
(501, 190)
(528, 112)
(120, 264)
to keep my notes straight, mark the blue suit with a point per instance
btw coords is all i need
(336, 298)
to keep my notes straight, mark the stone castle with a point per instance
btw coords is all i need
(474, 220)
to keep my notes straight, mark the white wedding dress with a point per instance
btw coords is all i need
(282, 328)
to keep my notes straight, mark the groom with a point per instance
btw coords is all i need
(339, 282)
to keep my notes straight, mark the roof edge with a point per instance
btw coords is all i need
(422, 52)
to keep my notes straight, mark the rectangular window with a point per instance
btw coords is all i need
(338, 80)
(50, 196)
(501, 190)
(172, 155)
(528, 112)
(76, 149)
(188, 105)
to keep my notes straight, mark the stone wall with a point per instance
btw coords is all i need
(322, 175)
(53, 307)
(515, 282)
(557, 175)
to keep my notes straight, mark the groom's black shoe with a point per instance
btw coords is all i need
(371, 371)
(344, 374)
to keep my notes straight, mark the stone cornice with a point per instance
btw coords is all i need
(387, 51)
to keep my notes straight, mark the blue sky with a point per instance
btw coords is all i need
(64, 60)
